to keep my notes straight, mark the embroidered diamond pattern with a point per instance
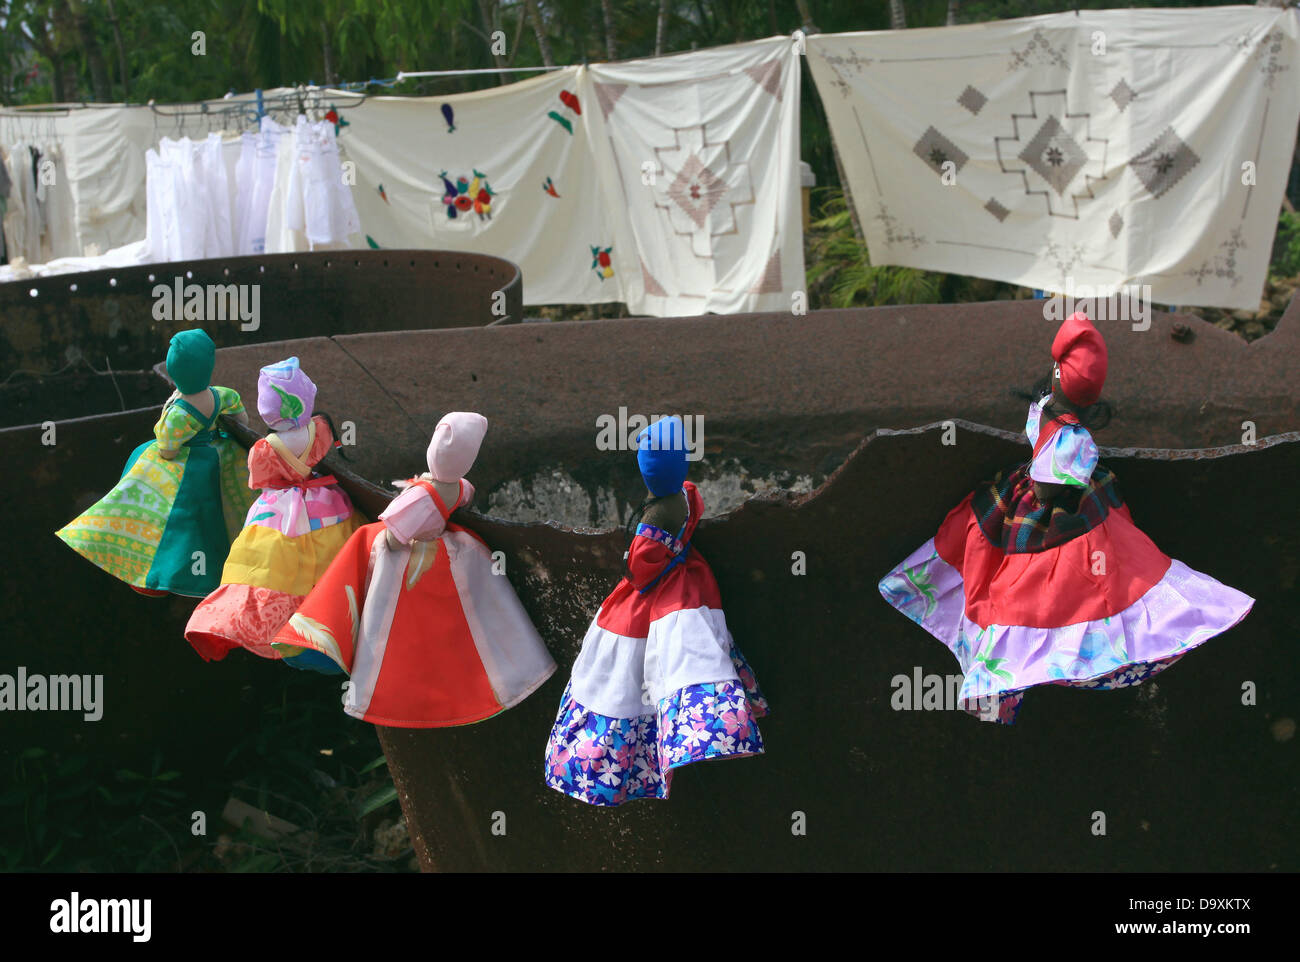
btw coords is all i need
(1122, 94)
(1164, 163)
(972, 99)
(702, 189)
(696, 190)
(936, 150)
(1054, 155)
(1116, 224)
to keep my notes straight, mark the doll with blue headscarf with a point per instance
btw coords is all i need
(168, 523)
(659, 683)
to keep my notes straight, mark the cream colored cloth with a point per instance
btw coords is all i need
(505, 143)
(698, 156)
(670, 184)
(1103, 148)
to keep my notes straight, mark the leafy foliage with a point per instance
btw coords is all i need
(840, 272)
(1286, 249)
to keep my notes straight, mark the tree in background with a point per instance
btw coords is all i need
(897, 16)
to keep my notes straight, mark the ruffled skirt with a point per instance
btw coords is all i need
(1104, 609)
(269, 572)
(167, 525)
(638, 708)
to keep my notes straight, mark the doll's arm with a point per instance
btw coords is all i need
(172, 430)
(232, 405)
(412, 516)
(466, 495)
(1065, 464)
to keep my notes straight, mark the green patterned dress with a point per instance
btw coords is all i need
(168, 524)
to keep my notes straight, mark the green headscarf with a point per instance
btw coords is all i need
(190, 360)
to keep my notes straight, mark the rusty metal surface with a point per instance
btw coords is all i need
(796, 392)
(777, 392)
(36, 400)
(1181, 757)
(1171, 763)
(110, 312)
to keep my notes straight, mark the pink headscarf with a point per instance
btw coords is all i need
(455, 445)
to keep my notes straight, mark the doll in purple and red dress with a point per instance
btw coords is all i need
(1041, 577)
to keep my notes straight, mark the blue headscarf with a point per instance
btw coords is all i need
(661, 455)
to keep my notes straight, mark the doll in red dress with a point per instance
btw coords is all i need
(413, 610)
(1040, 577)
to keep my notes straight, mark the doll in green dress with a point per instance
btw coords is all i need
(168, 524)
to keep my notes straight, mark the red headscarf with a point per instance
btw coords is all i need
(1080, 353)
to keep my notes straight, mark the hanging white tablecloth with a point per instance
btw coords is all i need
(1107, 148)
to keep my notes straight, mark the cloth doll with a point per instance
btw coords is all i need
(292, 532)
(413, 610)
(1041, 577)
(168, 523)
(659, 683)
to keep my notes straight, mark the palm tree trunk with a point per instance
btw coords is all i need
(62, 31)
(488, 10)
(952, 12)
(805, 16)
(121, 51)
(661, 28)
(100, 87)
(897, 16)
(539, 28)
(327, 53)
(611, 44)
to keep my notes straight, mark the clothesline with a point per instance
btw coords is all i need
(404, 74)
(210, 105)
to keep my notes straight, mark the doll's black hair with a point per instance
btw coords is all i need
(334, 431)
(1093, 417)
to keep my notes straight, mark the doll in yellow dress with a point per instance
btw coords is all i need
(296, 526)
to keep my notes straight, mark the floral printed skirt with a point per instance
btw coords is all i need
(608, 759)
